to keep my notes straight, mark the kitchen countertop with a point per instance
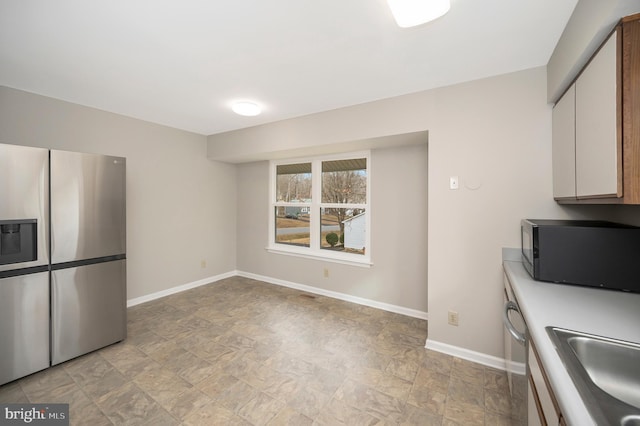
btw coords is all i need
(608, 313)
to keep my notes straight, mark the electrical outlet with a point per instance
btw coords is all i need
(453, 318)
(326, 272)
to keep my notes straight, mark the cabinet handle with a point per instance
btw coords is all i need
(511, 306)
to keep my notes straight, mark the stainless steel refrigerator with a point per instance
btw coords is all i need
(62, 256)
(24, 261)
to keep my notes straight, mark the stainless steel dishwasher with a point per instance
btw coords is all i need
(515, 353)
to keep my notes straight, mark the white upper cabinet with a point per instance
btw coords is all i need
(596, 125)
(564, 146)
(597, 169)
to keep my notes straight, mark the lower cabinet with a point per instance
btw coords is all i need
(543, 408)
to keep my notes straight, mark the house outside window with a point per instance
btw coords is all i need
(319, 207)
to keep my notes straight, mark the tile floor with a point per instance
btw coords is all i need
(243, 352)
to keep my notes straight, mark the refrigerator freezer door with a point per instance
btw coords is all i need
(88, 309)
(88, 217)
(24, 325)
(24, 183)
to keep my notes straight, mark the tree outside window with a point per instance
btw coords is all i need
(321, 205)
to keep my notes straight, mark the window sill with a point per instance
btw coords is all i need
(361, 261)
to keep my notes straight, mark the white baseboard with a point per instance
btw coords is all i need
(469, 355)
(309, 289)
(340, 296)
(180, 288)
(519, 368)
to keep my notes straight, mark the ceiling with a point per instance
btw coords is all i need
(182, 63)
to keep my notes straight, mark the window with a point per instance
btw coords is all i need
(293, 204)
(320, 207)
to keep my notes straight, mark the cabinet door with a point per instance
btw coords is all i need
(540, 392)
(564, 146)
(534, 412)
(597, 125)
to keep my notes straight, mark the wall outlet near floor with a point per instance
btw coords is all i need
(325, 272)
(203, 263)
(453, 318)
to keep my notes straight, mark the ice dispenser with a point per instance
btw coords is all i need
(18, 242)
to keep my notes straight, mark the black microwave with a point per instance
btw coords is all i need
(582, 252)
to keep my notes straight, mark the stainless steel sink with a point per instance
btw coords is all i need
(605, 371)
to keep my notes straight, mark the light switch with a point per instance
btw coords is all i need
(453, 182)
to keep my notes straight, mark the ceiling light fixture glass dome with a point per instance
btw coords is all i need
(409, 13)
(246, 108)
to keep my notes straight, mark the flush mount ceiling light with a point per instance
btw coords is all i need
(409, 13)
(246, 108)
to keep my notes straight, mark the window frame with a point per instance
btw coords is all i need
(314, 251)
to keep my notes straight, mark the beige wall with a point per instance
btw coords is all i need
(394, 121)
(495, 134)
(180, 206)
(398, 276)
